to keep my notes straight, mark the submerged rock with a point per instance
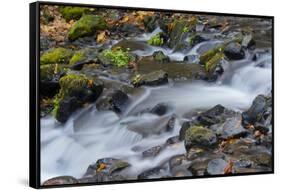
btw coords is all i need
(151, 79)
(61, 180)
(199, 136)
(115, 101)
(87, 25)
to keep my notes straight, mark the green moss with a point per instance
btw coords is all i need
(156, 40)
(56, 56)
(48, 71)
(118, 57)
(198, 133)
(185, 29)
(205, 57)
(136, 79)
(78, 56)
(87, 25)
(211, 64)
(73, 13)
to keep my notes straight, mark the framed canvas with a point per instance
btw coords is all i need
(126, 94)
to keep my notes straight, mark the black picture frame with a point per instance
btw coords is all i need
(34, 96)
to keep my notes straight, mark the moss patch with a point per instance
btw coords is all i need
(56, 56)
(156, 40)
(87, 25)
(78, 56)
(118, 57)
(73, 13)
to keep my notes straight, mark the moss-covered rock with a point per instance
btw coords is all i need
(151, 79)
(211, 64)
(116, 57)
(87, 25)
(82, 57)
(199, 136)
(56, 56)
(76, 90)
(73, 13)
(49, 79)
(178, 35)
(159, 56)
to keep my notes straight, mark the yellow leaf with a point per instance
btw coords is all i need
(101, 37)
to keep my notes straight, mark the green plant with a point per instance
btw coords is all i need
(118, 57)
(56, 56)
(156, 40)
(185, 29)
(78, 56)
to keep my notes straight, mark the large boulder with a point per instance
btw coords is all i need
(76, 90)
(199, 136)
(58, 55)
(87, 25)
(151, 79)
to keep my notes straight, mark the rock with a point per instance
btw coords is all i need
(131, 45)
(196, 39)
(216, 166)
(152, 152)
(199, 136)
(191, 58)
(161, 109)
(159, 56)
(87, 25)
(106, 166)
(151, 173)
(115, 101)
(260, 111)
(248, 42)
(184, 127)
(82, 57)
(199, 167)
(215, 115)
(75, 91)
(46, 43)
(150, 22)
(61, 180)
(56, 56)
(176, 70)
(234, 51)
(178, 35)
(231, 128)
(73, 13)
(116, 57)
(49, 79)
(151, 79)
(172, 140)
(178, 166)
(130, 30)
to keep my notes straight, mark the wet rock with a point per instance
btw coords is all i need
(56, 56)
(242, 163)
(151, 173)
(179, 165)
(178, 35)
(160, 109)
(46, 43)
(172, 140)
(199, 167)
(131, 45)
(75, 91)
(106, 167)
(151, 79)
(216, 166)
(191, 58)
(196, 39)
(184, 127)
(115, 101)
(87, 25)
(129, 30)
(159, 56)
(234, 51)
(248, 42)
(260, 111)
(231, 128)
(152, 152)
(150, 22)
(49, 79)
(198, 136)
(82, 57)
(215, 115)
(61, 180)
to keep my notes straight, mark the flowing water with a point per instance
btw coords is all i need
(89, 135)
